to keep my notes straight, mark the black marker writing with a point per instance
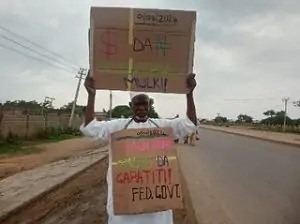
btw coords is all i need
(139, 45)
(162, 161)
(148, 83)
(155, 19)
(162, 192)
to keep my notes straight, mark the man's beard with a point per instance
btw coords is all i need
(141, 118)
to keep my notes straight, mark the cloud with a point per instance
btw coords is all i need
(244, 50)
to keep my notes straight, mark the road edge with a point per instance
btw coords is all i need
(190, 211)
(205, 208)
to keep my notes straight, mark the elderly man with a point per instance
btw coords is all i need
(101, 130)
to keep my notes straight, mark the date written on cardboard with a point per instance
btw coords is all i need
(155, 19)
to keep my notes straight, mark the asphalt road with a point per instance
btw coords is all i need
(255, 181)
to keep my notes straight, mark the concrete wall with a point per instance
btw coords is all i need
(27, 126)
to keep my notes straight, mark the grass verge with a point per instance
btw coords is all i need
(14, 145)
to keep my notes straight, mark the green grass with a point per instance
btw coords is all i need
(14, 145)
(259, 127)
(277, 129)
(10, 147)
(18, 148)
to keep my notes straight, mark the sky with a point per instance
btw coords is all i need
(246, 54)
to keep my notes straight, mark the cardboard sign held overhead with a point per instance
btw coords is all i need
(146, 50)
(145, 171)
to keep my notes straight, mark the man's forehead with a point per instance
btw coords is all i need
(140, 97)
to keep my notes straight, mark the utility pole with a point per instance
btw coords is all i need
(285, 100)
(110, 105)
(82, 74)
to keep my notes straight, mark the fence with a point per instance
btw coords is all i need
(29, 126)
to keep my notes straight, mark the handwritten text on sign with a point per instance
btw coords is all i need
(154, 78)
(145, 171)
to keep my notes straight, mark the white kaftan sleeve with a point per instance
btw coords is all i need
(98, 130)
(182, 127)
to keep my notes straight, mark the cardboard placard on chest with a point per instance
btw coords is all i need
(145, 171)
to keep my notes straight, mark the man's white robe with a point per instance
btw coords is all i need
(101, 130)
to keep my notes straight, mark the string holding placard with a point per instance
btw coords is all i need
(130, 32)
(130, 42)
(129, 77)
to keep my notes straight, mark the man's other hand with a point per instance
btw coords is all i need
(191, 82)
(89, 85)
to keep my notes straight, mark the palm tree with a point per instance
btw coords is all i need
(270, 113)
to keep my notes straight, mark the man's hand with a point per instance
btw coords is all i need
(90, 85)
(90, 107)
(190, 82)
(190, 85)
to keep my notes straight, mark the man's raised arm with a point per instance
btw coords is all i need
(183, 126)
(90, 108)
(191, 110)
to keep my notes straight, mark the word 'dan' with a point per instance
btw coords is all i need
(151, 144)
(159, 46)
(147, 83)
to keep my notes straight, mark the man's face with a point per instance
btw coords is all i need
(140, 106)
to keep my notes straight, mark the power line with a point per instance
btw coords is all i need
(30, 49)
(236, 100)
(38, 45)
(35, 58)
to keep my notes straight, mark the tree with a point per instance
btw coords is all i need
(220, 119)
(47, 105)
(243, 118)
(278, 119)
(270, 113)
(22, 104)
(152, 113)
(121, 111)
(297, 121)
(27, 106)
(79, 109)
(280, 113)
(297, 103)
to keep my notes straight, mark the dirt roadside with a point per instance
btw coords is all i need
(81, 200)
(10, 164)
